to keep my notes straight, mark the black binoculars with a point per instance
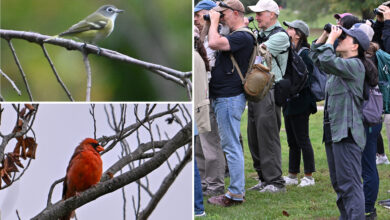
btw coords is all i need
(207, 17)
(328, 28)
(377, 11)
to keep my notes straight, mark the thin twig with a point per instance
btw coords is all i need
(20, 69)
(89, 76)
(17, 214)
(51, 190)
(56, 74)
(10, 81)
(92, 112)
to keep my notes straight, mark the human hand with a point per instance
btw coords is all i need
(335, 33)
(214, 16)
(385, 11)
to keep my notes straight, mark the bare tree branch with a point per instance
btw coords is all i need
(92, 112)
(10, 81)
(55, 73)
(144, 214)
(183, 137)
(20, 69)
(89, 75)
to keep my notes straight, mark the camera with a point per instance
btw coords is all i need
(250, 18)
(377, 11)
(207, 17)
(328, 27)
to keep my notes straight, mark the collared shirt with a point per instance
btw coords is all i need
(345, 109)
(277, 44)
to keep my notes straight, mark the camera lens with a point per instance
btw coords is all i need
(206, 17)
(328, 27)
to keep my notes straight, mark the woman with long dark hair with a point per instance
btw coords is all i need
(297, 111)
(344, 132)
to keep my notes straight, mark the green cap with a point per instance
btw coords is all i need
(298, 24)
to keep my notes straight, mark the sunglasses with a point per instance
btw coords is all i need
(224, 5)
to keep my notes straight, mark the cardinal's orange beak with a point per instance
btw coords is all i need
(99, 148)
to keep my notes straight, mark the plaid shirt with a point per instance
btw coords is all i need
(345, 110)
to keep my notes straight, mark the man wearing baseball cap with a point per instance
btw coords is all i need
(264, 117)
(344, 132)
(227, 92)
(382, 27)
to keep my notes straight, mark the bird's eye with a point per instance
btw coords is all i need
(95, 145)
(109, 9)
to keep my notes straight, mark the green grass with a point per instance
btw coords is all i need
(313, 202)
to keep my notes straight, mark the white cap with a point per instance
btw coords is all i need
(265, 5)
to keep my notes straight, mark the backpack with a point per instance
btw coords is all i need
(317, 81)
(258, 79)
(372, 107)
(295, 77)
(384, 78)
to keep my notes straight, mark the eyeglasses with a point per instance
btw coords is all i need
(224, 5)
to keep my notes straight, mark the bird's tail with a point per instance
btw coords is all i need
(50, 38)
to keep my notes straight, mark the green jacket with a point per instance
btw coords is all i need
(277, 44)
(345, 110)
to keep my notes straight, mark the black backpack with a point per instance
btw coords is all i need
(295, 77)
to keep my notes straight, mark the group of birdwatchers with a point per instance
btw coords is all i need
(346, 53)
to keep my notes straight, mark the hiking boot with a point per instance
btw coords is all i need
(382, 159)
(258, 186)
(224, 201)
(290, 181)
(273, 189)
(213, 192)
(306, 181)
(371, 215)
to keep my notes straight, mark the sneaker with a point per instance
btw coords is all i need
(213, 192)
(305, 181)
(258, 186)
(290, 181)
(382, 159)
(371, 215)
(224, 201)
(200, 214)
(273, 189)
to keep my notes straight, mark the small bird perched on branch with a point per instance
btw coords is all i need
(84, 170)
(95, 27)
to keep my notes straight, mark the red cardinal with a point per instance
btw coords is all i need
(84, 170)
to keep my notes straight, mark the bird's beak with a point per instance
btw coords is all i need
(99, 148)
(119, 11)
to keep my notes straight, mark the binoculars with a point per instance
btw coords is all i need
(207, 17)
(377, 11)
(328, 28)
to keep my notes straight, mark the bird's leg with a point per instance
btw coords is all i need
(99, 50)
(84, 45)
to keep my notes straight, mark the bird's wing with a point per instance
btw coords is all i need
(85, 26)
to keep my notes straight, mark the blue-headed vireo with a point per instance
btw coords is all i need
(95, 27)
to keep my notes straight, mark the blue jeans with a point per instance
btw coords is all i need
(198, 197)
(228, 112)
(369, 171)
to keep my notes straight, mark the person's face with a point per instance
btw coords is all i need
(346, 45)
(292, 33)
(227, 18)
(198, 19)
(338, 21)
(264, 19)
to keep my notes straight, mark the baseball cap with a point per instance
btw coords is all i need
(204, 5)
(298, 24)
(265, 5)
(366, 29)
(230, 4)
(359, 35)
(338, 16)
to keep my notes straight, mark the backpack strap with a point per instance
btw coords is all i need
(302, 49)
(251, 59)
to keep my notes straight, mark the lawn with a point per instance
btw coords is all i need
(313, 202)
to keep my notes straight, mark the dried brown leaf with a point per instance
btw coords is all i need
(31, 145)
(22, 113)
(285, 213)
(17, 160)
(30, 107)
(9, 164)
(6, 178)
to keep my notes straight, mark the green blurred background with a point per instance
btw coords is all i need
(153, 31)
